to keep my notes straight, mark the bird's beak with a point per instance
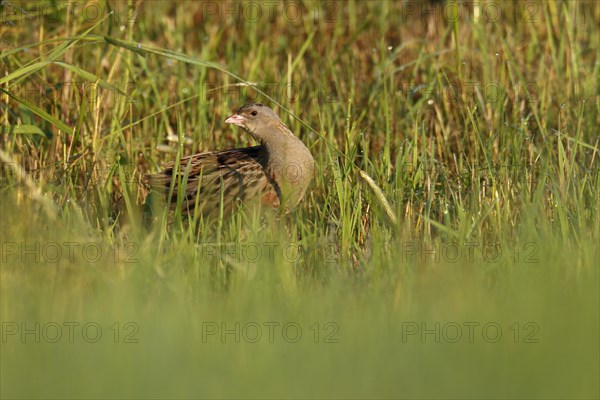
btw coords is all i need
(236, 119)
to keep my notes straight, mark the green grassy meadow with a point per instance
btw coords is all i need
(448, 246)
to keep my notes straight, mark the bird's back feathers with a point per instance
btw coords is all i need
(232, 176)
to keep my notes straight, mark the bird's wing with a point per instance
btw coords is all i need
(232, 176)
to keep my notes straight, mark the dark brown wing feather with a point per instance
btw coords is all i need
(235, 176)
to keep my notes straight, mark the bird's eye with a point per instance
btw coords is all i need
(253, 113)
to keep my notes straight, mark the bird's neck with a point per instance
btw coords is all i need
(275, 138)
(287, 161)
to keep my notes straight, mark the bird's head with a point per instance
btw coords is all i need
(255, 118)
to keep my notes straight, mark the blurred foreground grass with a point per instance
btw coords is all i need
(481, 132)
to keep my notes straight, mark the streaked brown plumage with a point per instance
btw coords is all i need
(275, 173)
